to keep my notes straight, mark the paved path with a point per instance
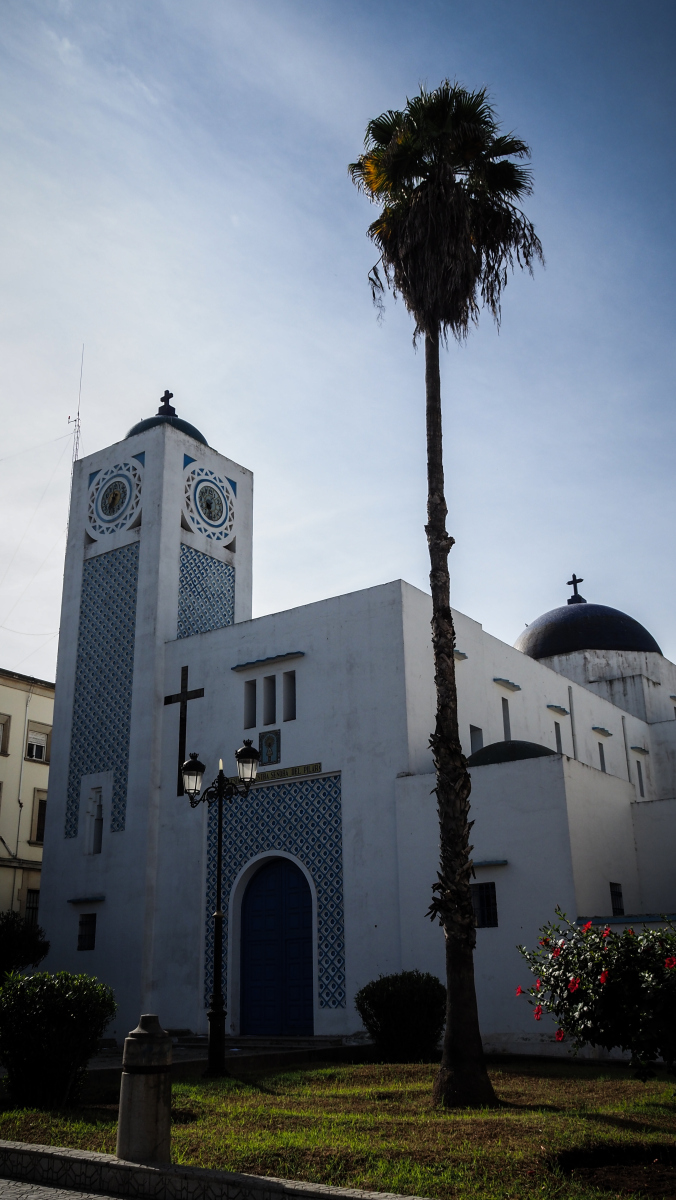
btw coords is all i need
(11, 1190)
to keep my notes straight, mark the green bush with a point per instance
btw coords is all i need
(404, 1014)
(21, 944)
(49, 1028)
(608, 989)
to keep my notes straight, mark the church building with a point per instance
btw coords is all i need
(329, 861)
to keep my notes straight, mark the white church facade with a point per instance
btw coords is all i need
(328, 863)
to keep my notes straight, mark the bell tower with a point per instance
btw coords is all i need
(159, 549)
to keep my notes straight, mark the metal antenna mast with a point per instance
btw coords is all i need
(75, 421)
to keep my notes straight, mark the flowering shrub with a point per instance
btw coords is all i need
(607, 989)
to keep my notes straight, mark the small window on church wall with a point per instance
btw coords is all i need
(507, 728)
(557, 735)
(289, 695)
(616, 899)
(476, 738)
(639, 772)
(269, 700)
(602, 757)
(86, 934)
(485, 905)
(250, 704)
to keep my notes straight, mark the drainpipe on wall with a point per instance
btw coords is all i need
(23, 759)
(572, 721)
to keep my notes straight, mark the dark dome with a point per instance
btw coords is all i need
(166, 415)
(501, 752)
(584, 627)
(177, 422)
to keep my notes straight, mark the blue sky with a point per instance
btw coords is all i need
(176, 197)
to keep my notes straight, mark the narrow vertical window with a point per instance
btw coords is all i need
(32, 905)
(485, 905)
(602, 757)
(250, 704)
(289, 695)
(86, 933)
(507, 728)
(639, 772)
(616, 899)
(557, 735)
(41, 818)
(97, 837)
(476, 738)
(269, 700)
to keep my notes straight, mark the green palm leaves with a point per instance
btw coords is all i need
(449, 229)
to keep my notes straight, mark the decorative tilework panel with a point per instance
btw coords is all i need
(206, 593)
(104, 671)
(304, 818)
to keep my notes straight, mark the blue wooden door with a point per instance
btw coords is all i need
(276, 994)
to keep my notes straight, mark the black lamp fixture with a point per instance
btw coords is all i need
(221, 789)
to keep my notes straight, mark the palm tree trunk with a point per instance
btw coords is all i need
(462, 1078)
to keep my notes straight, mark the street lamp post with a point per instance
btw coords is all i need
(221, 789)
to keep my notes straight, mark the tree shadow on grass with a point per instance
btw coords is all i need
(625, 1123)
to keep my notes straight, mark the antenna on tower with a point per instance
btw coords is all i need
(75, 421)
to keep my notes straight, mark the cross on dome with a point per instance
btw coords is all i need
(166, 409)
(576, 598)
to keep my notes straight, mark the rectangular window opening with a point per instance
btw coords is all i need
(289, 695)
(32, 905)
(506, 725)
(269, 699)
(250, 704)
(639, 772)
(557, 735)
(5, 723)
(86, 933)
(36, 747)
(485, 905)
(39, 814)
(602, 757)
(97, 837)
(476, 738)
(616, 899)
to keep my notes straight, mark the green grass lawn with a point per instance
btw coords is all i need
(373, 1126)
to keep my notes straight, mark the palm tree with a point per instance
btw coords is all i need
(447, 233)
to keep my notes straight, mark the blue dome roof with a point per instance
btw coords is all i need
(501, 752)
(166, 415)
(583, 626)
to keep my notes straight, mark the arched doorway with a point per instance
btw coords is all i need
(276, 991)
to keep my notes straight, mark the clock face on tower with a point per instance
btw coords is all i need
(210, 504)
(114, 499)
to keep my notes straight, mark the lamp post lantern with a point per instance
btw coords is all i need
(221, 789)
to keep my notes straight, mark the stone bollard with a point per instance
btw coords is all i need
(144, 1123)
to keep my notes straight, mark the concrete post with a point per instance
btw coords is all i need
(144, 1123)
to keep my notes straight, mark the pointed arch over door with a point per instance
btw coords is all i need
(276, 948)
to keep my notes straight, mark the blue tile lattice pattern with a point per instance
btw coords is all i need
(104, 673)
(206, 593)
(304, 818)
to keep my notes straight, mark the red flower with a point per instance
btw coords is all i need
(587, 926)
(555, 953)
(537, 1012)
(574, 984)
(538, 985)
(519, 990)
(559, 1035)
(606, 931)
(603, 977)
(544, 941)
(670, 963)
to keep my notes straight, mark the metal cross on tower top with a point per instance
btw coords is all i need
(576, 598)
(166, 409)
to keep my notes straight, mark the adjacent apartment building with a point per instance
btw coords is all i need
(26, 709)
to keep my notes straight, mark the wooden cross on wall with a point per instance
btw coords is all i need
(182, 698)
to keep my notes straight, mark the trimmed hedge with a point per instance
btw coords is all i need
(404, 1014)
(21, 944)
(50, 1026)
